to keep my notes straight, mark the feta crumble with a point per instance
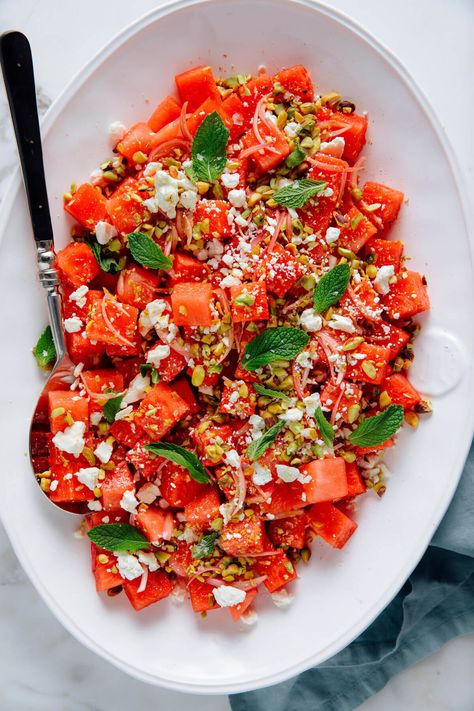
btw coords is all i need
(311, 321)
(104, 232)
(89, 476)
(73, 324)
(103, 452)
(128, 566)
(72, 439)
(227, 596)
(381, 281)
(129, 502)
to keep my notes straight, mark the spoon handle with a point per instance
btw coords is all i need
(18, 75)
(17, 67)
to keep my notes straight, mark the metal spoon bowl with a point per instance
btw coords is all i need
(17, 68)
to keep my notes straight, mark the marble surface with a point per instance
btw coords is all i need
(41, 666)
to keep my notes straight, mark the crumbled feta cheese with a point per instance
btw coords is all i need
(54, 485)
(72, 439)
(286, 473)
(167, 194)
(261, 475)
(332, 234)
(230, 180)
(117, 131)
(95, 418)
(229, 281)
(103, 452)
(188, 199)
(257, 424)
(148, 559)
(178, 594)
(282, 598)
(95, 175)
(128, 566)
(157, 354)
(148, 493)
(304, 359)
(89, 476)
(237, 198)
(311, 321)
(293, 414)
(333, 148)
(136, 390)
(232, 458)
(151, 168)
(129, 502)
(311, 402)
(270, 116)
(188, 535)
(292, 129)
(153, 315)
(73, 324)
(94, 506)
(122, 414)
(227, 596)
(341, 323)
(381, 281)
(104, 232)
(226, 510)
(79, 295)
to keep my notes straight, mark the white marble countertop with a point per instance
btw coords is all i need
(41, 666)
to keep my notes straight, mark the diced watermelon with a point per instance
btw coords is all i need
(386, 252)
(401, 391)
(201, 596)
(278, 568)
(296, 81)
(407, 297)
(64, 405)
(158, 586)
(77, 264)
(328, 480)
(289, 531)
(203, 509)
(153, 521)
(249, 302)
(331, 524)
(115, 484)
(87, 206)
(160, 410)
(387, 199)
(191, 304)
(245, 537)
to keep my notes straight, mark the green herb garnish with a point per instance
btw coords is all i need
(209, 149)
(111, 408)
(183, 457)
(299, 192)
(282, 343)
(118, 537)
(257, 449)
(205, 546)
(376, 430)
(44, 351)
(331, 287)
(106, 263)
(269, 392)
(146, 252)
(325, 427)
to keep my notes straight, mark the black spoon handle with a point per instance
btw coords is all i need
(17, 67)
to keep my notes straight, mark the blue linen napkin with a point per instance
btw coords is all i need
(435, 604)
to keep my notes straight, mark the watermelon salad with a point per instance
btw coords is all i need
(241, 324)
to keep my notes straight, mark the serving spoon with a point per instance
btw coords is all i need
(18, 75)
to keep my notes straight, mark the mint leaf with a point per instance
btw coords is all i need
(209, 149)
(148, 368)
(44, 351)
(282, 343)
(257, 449)
(118, 537)
(331, 287)
(269, 392)
(145, 251)
(106, 263)
(205, 546)
(183, 457)
(296, 157)
(379, 428)
(111, 408)
(325, 427)
(299, 192)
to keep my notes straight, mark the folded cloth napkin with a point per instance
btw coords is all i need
(435, 604)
